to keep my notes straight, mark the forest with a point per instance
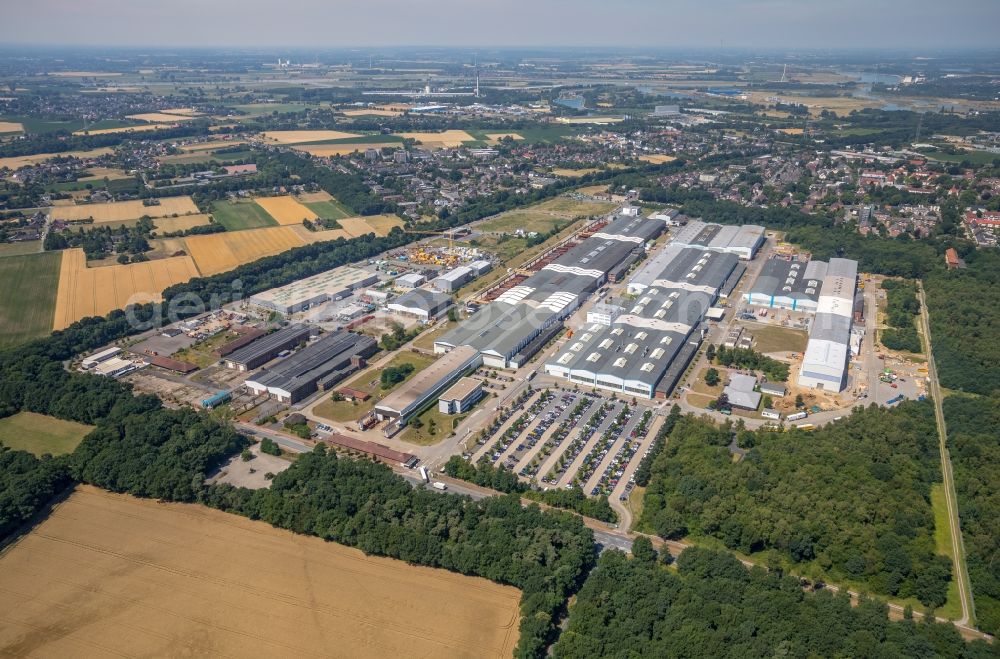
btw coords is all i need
(714, 606)
(748, 358)
(974, 445)
(902, 307)
(27, 484)
(850, 501)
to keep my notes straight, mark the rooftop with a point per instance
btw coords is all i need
(268, 343)
(427, 380)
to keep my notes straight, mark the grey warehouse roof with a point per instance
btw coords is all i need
(266, 344)
(791, 279)
(308, 364)
(420, 298)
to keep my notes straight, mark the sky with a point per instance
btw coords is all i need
(772, 24)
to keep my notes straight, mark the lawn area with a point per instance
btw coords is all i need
(40, 434)
(975, 157)
(237, 215)
(27, 296)
(778, 339)
(329, 210)
(634, 504)
(434, 426)
(17, 249)
(942, 545)
(345, 411)
(426, 339)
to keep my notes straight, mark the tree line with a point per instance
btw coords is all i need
(714, 606)
(901, 308)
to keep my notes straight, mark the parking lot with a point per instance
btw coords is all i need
(561, 439)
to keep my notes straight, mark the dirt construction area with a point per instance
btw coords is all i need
(117, 211)
(109, 575)
(87, 291)
(286, 210)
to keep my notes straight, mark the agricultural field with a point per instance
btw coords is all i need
(324, 205)
(11, 127)
(16, 162)
(135, 577)
(331, 150)
(657, 158)
(220, 252)
(210, 146)
(285, 210)
(17, 249)
(117, 211)
(305, 136)
(143, 128)
(182, 223)
(154, 117)
(368, 380)
(380, 225)
(239, 215)
(371, 112)
(258, 109)
(27, 296)
(84, 291)
(41, 434)
(448, 139)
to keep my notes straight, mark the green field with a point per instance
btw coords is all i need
(40, 434)
(237, 215)
(37, 125)
(545, 216)
(975, 157)
(942, 545)
(345, 411)
(329, 210)
(16, 249)
(27, 296)
(259, 109)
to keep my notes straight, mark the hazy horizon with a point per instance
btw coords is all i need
(310, 24)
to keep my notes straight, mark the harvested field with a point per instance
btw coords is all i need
(220, 252)
(82, 74)
(657, 158)
(10, 127)
(302, 136)
(125, 129)
(448, 139)
(380, 225)
(41, 434)
(16, 162)
(87, 291)
(182, 223)
(101, 173)
(285, 210)
(111, 575)
(496, 137)
(331, 150)
(116, 211)
(309, 237)
(313, 197)
(791, 131)
(154, 117)
(573, 173)
(27, 296)
(187, 112)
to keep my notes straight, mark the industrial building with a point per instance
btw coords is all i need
(480, 268)
(305, 293)
(741, 240)
(509, 330)
(792, 285)
(411, 280)
(824, 364)
(425, 387)
(454, 279)
(644, 349)
(317, 366)
(461, 396)
(266, 348)
(421, 304)
(740, 391)
(98, 357)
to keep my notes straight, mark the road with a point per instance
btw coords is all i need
(957, 543)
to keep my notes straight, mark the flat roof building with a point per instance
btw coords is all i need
(327, 361)
(793, 285)
(411, 280)
(320, 288)
(454, 279)
(685, 268)
(741, 240)
(740, 391)
(267, 348)
(461, 396)
(412, 396)
(420, 303)
(824, 364)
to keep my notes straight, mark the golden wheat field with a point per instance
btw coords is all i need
(380, 225)
(87, 291)
(286, 210)
(448, 139)
(330, 150)
(300, 136)
(154, 117)
(313, 197)
(657, 158)
(10, 127)
(209, 146)
(116, 211)
(372, 112)
(496, 137)
(219, 252)
(109, 575)
(15, 162)
(124, 129)
(308, 237)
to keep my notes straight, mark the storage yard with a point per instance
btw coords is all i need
(172, 578)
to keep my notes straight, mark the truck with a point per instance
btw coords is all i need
(438, 485)
(424, 475)
(796, 416)
(893, 401)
